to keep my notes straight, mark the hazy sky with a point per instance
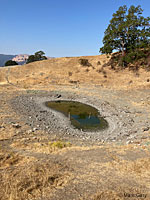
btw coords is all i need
(58, 27)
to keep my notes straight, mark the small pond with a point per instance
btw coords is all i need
(82, 116)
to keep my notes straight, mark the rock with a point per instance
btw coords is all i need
(128, 142)
(29, 131)
(127, 134)
(58, 95)
(16, 125)
(144, 137)
(145, 129)
(35, 129)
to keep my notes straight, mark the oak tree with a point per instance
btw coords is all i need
(36, 57)
(128, 32)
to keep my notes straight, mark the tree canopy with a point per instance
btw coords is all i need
(10, 63)
(36, 57)
(128, 31)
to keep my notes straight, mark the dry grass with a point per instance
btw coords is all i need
(44, 147)
(140, 167)
(57, 71)
(120, 194)
(27, 178)
(105, 195)
(31, 181)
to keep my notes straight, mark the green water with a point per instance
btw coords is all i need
(82, 116)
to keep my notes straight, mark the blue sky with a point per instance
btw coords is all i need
(58, 27)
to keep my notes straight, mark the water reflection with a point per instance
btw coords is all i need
(82, 116)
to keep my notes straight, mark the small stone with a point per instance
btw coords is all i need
(127, 134)
(58, 95)
(145, 129)
(16, 125)
(35, 129)
(29, 131)
(144, 137)
(128, 142)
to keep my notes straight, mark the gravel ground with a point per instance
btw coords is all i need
(123, 122)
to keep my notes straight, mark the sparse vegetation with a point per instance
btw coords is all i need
(59, 144)
(98, 63)
(74, 82)
(30, 181)
(99, 70)
(33, 91)
(84, 62)
(87, 70)
(70, 73)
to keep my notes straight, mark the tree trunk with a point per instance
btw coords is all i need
(123, 53)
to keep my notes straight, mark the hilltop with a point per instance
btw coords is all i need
(69, 70)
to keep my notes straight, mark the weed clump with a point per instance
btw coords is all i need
(98, 63)
(73, 82)
(84, 62)
(59, 144)
(70, 73)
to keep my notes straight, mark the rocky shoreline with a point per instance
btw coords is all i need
(37, 116)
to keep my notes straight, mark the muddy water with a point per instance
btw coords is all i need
(82, 116)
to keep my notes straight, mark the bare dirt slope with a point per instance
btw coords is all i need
(37, 165)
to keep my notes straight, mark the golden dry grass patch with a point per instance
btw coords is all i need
(32, 181)
(56, 71)
(120, 193)
(42, 147)
(9, 158)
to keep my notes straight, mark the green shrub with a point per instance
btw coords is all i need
(10, 63)
(59, 144)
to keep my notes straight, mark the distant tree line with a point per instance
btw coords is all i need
(32, 58)
(36, 57)
(10, 63)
